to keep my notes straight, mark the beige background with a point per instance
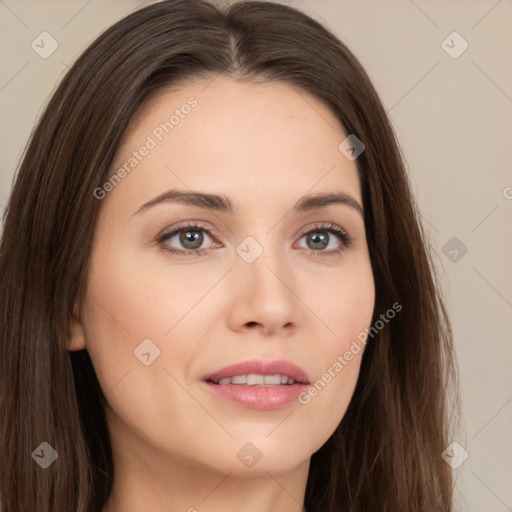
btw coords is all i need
(453, 118)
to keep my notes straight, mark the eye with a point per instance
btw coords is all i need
(190, 236)
(321, 236)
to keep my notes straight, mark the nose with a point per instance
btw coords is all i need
(264, 295)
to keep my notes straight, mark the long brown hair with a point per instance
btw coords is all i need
(386, 453)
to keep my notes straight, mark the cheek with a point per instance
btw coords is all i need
(134, 308)
(346, 308)
(127, 314)
(344, 303)
(131, 299)
(119, 314)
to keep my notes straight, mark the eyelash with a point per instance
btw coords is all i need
(342, 235)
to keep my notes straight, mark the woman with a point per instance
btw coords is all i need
(215, 290)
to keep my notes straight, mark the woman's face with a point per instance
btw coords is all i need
(265, 280)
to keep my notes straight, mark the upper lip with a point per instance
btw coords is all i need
(259, 367)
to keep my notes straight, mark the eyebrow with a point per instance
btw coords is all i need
(221, 203)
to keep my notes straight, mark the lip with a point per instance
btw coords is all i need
(259, 367)
(259, 396)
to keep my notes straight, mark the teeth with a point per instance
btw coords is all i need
(253, 379)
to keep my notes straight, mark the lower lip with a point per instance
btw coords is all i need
(257, 397)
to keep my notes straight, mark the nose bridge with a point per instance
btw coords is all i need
(263, 261)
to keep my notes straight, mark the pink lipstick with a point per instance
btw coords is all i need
(258, 384)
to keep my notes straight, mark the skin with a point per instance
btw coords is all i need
(175, 444)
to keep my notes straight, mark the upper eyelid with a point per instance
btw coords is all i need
(191, 224)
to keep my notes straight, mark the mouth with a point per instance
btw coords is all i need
(258, 384)
(253, 379)
(259, 373)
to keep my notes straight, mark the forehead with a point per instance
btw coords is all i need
(222, 135)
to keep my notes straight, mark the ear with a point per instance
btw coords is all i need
(76, 335)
